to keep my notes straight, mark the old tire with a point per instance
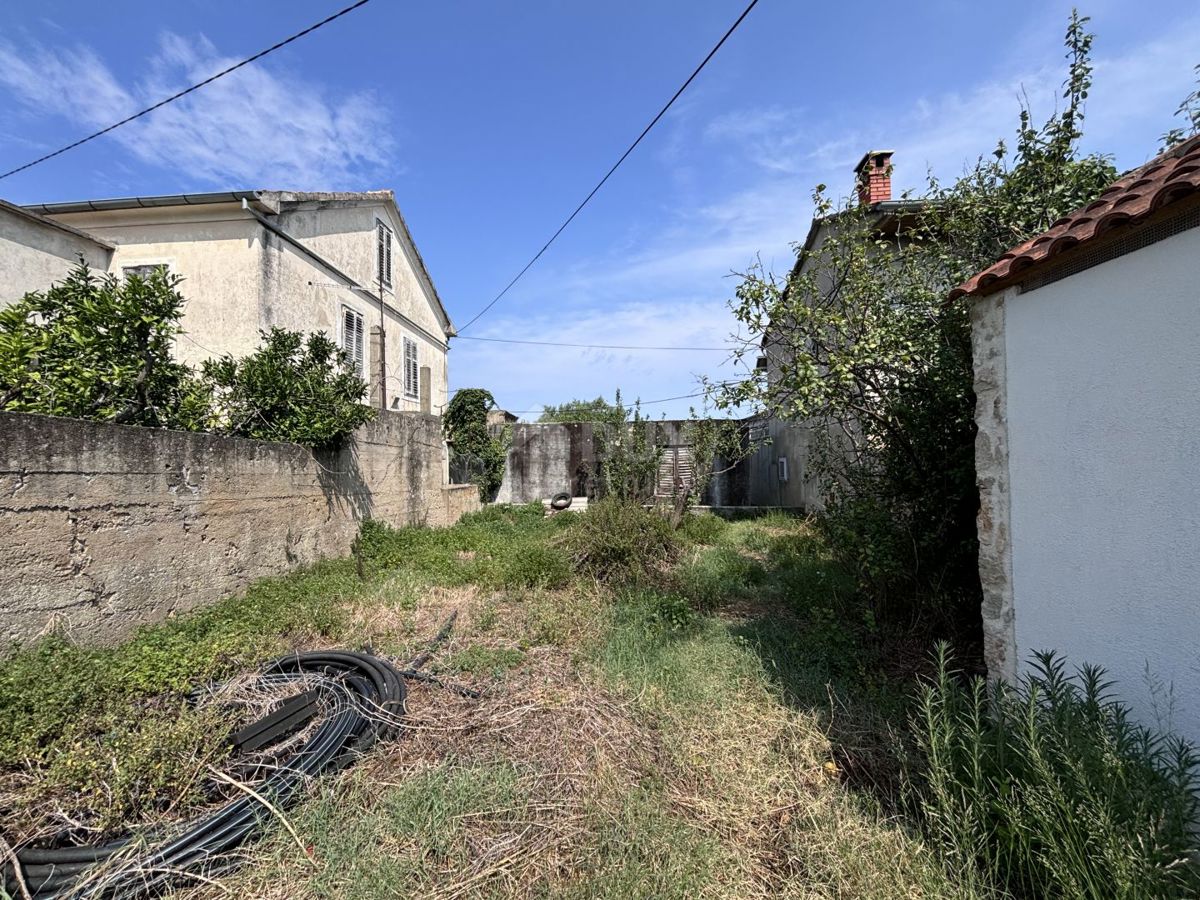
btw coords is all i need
(560, 501)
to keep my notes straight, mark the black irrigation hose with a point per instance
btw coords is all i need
(360, 699)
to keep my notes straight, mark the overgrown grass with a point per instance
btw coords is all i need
(621, 542)
(708, 712)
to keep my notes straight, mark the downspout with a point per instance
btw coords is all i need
(266, 223)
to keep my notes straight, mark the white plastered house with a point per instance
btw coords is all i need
(342, 263)
(1086, 344)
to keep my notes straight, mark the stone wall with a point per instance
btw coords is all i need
(106, 527)
(991, 474)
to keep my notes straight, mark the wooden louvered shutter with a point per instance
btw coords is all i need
(676, 474)
(383, 252)
(412, 371)
(685, 473)
(352, 339)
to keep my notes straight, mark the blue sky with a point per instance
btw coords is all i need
(491, 120)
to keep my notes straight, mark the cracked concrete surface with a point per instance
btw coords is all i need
(104, 527)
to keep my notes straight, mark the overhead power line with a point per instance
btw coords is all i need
(591, 346)
(636, 403)
(195, 87)
(662, 112)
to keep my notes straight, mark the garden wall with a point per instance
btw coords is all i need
(107, 527)
(546, 458)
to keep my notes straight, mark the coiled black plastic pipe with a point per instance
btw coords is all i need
(360, 700)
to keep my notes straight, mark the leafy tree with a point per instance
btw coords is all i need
(598, 410)
(629, 449)
(871, 354)
(466, 428)
(291, 389)
(99, 347)
(1189, 111)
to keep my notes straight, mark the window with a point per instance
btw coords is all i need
(412, 372)
(142, 271)
(352, 339)
(383, 253)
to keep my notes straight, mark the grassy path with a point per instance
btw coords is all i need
(705, 736)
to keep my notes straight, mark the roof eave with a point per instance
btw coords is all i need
(36, 217)
(151, 202)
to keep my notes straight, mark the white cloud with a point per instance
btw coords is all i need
(671, 289)
(252, 128)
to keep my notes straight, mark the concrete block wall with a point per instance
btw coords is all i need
(546, 458)
(107, 527)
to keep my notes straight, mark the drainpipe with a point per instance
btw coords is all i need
(382, 350)
(351, 285)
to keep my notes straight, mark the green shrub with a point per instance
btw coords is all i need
(471, 441)
(532, 564)
(291, 388)
(1047, 789)
(99, 347)
(615, 541)
(703, 528)
(655, 613)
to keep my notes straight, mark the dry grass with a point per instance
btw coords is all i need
(612, 753)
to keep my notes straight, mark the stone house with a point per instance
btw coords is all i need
(1088, 402)
(778, 472)
(342, 263)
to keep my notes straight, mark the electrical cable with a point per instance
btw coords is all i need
(359, 699)
(636, 403)
(464, 337)
(186, 91)
(645, 131)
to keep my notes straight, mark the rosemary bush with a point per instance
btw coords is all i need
(1049, 789)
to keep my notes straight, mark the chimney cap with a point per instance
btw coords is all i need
(869, 155)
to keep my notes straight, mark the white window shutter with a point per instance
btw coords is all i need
(352, 339)
(412, 371)
(383, 252)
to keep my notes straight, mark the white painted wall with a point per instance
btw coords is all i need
(35, 254)
(1103, 384)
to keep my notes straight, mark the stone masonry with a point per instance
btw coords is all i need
(991, 473)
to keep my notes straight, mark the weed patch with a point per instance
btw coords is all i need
(621, 542)
(703, 528)
(1049, 790)
(493, 661)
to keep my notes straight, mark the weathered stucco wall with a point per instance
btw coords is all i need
(34, 253)
(760, 482)
(546, 458)
(239, 277)
(1102, 405)
(104, 527)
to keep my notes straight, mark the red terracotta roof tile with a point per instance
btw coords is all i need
(1162, 181)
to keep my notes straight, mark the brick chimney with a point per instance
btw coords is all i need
(873, 175)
